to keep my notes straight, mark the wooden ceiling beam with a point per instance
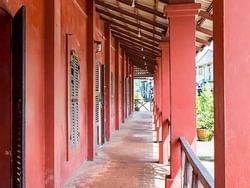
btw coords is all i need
(141, 63)
(136, 40)
(127, 13)
(150, 68)
(139, 56)
(204, 30)
(143, 8)
(202, 41)
(122, 30)
(138, 51)
(139, 44)
(148, 64)
(177, 1)
(120, 26)
(164, 1)
(206, 15)
(113, 16)
(137, 48)
(134, 36)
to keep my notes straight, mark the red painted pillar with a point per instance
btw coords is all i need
(91, 74)
(131, 86)
(52, 42)
(125, 80)
(182, 78)
(155, 97)
(165, 82)
(117, 87)
(231, 91)
(108, 79)
(159, 114)
(123, 75)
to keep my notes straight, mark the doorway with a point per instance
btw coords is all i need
(100, 112)
(12, 103)
(98, 104)
(103, 104)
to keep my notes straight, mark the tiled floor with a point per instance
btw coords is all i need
(130, 160)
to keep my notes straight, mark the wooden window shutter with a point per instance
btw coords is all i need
(97, 101)
(74, 98)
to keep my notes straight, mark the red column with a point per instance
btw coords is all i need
(231, 92)
(125, 81)
(155, 96)
(117, 88)
(91, 74)
(182, 78)
(165, 82)
(123, 74)
(131, 87)
(108, 79)
(159, 105)
(53, 40)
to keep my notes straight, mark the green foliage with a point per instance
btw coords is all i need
(205, 110)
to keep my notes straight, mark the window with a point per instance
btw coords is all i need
(209, 72)
(74, 98)
(200, 70)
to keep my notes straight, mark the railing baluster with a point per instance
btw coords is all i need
(194, 177)
(199, 176)
(186, 173)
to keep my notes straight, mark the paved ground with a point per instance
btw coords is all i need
(205, 152)
(130, 160)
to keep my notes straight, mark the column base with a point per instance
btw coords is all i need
(173, 183)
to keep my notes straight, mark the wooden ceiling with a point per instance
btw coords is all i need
(140, 25)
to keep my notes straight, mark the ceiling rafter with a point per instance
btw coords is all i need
(138, 51)
(127, 13)
(202, 41)
(176, 1)
(128, 22)
(139, 57)
(138, 60)
(134, 32)
(204, 30)
(138, 48)
(144, 8)
(206, 15)
(130, 30)
(137, 39)
(140, 45)
(141, 64)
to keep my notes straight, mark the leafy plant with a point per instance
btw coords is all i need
(136, 101)
(205, 110)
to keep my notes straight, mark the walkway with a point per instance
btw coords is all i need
(130, 160)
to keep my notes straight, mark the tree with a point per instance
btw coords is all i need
(205, 110)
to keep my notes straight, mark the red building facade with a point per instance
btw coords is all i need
(53, 30)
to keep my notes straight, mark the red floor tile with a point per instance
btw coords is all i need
(130, 160)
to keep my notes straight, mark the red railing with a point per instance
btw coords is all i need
(194, 174)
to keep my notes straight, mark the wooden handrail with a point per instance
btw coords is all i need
(200, 175)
